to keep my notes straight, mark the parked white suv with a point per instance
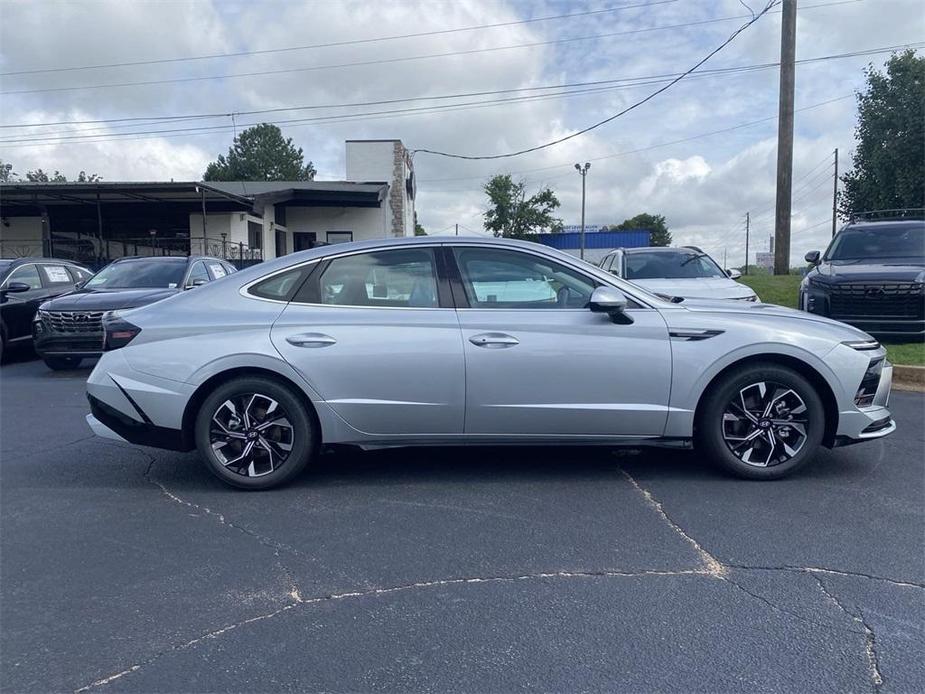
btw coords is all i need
(686, 273)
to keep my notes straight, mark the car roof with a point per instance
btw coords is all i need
(660, 249)
(168, 258)
(882, 223)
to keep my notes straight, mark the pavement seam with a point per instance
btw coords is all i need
(299, 601)
(870, 638)
(711, 564)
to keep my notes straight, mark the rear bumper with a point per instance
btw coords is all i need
(109, 423)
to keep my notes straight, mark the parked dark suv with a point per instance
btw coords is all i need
(872, 276)
(70, 328)
(24, 284)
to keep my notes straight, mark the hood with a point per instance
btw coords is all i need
(698, 288)
(759, 310)
(883, 270)
(107, 300)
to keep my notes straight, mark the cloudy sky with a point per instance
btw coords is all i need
(666, 157)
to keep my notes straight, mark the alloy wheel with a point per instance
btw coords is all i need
(765, 424)
(251, 434)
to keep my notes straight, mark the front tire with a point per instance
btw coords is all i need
(255, 433)
(761, 421)
(61, 363)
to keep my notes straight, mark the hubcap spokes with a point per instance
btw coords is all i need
(765, 424)
(251, 434)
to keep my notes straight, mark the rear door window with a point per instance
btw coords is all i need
(56, 276)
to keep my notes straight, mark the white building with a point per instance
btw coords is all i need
(96, 222)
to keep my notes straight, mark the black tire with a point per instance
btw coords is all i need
(268, 464)
(61, 363)
(731, 430)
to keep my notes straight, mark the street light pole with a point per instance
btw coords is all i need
(583, 170)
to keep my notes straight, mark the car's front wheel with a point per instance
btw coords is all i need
(761, 421)
(255, 433)
(61, 363)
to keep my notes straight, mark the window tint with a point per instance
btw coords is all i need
(28, 274)
(401, 278)
(56, 275)
(280, 287)
(140, 274)
(216, 269)
(508, 279)
(197, 272)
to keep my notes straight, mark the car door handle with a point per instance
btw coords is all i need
(494, 340)
(311, 340)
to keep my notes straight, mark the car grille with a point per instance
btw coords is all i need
(74, 322)
(883, 300)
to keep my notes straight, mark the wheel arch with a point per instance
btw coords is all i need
(214, 381)
(810, 373)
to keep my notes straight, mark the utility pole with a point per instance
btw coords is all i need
(724, 258)
(457, 229)
(747, 222)
(584, 172)
(788, 39)
(835, 193)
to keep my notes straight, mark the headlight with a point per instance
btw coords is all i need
(753, 297)
(869, 384)
(862, 345)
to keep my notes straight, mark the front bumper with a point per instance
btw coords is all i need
(49, 342)
(867, 423)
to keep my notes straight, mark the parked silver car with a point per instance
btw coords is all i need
(681, 273)
(472, 341)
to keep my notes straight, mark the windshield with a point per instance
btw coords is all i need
(139, 274)
(680, 264)
(860, 243)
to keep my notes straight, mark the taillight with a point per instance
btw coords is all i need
(117, 332)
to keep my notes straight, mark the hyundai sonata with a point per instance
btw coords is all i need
(473, 341)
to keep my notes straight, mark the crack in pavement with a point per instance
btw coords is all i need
(299, 601)
(711, 568)
(870, 638)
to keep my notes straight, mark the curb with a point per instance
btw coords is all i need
(909, 378)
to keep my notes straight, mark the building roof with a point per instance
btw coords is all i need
(243, 195)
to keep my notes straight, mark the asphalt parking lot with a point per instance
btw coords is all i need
(130, 569)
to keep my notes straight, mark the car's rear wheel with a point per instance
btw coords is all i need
(762, 421)
(61, 363)
(255, 433)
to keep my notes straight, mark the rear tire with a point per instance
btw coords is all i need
(761, 422)
(255, 433)
(61, 363)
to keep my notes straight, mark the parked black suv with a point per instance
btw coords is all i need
(871, 276)
(70, 328)
(24, 284)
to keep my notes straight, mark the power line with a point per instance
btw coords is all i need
(382, 61)
(651, 147)
(614, 116)
(335, 44)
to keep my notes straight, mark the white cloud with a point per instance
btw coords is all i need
(703, 186)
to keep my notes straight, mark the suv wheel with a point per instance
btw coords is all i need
(762, 421)
(61, 363)
(255, 433)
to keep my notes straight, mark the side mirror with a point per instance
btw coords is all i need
(13, 288)
(812, 257)
(196, 283)
(16, 288)
(611, 301)
(733, 274)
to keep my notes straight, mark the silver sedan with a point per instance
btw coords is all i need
(472, 341)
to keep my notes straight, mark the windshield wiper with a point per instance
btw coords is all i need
(692, 258)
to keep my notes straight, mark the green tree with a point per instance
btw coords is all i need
(513, 215)
(889, 163)
(39, 176)
(653, 223)
(6, 172)
(261, 153)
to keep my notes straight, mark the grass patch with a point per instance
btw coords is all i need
(907, 353)
(782, 290)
